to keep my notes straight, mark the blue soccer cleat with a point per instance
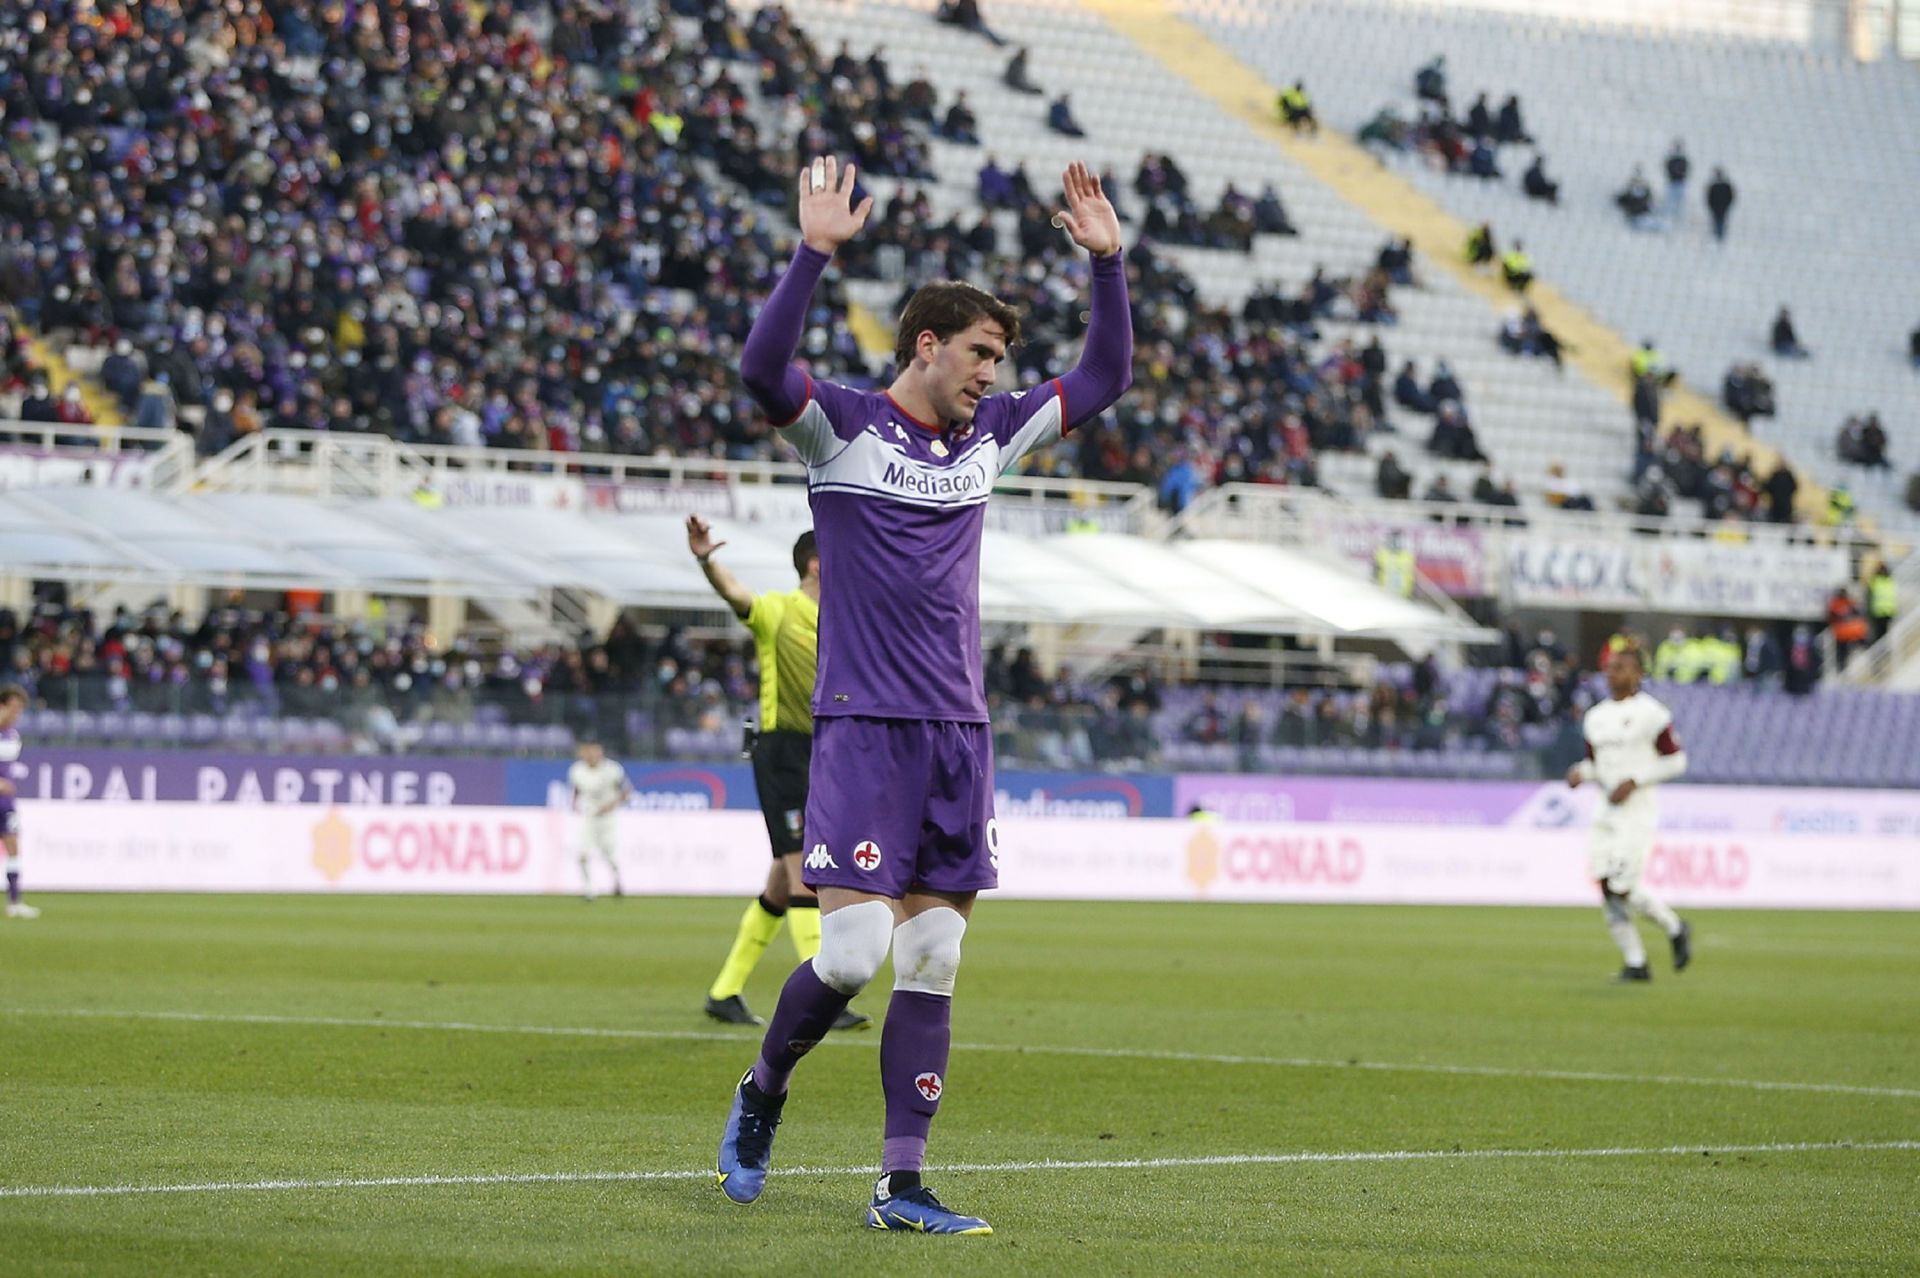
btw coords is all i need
(746, 1146)
(917, 1211)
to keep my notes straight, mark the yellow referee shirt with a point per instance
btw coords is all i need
(786, 639)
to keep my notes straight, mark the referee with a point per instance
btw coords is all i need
(786, 639)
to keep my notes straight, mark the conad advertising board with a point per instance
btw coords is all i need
(310, 848)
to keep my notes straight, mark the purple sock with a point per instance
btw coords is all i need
(913, 1068)
(801, 1019)
(13, 887)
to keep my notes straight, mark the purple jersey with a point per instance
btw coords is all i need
(899, 505)
(898, 508)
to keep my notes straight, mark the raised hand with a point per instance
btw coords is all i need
(827, 216)
(1089, 217)
(700, 538)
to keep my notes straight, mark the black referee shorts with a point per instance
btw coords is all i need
(780, 762)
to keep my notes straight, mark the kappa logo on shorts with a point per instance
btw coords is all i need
(866, 855)
(821, 859)
(929, 1085)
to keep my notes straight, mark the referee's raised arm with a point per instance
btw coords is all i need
(729, 587)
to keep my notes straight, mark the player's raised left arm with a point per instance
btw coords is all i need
(1105, 369)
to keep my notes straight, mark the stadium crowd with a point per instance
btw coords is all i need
(654, 692)
(546, 227)
(441, 223)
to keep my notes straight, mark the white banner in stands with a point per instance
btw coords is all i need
(194, 847)
(519, 492)
(1668, 575)
(23, 467)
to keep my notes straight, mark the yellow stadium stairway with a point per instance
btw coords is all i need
(1599, 352)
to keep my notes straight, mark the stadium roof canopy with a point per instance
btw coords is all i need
(391, 545)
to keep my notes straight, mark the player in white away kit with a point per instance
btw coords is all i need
(1631, 748)
(599, 787)
(13, 702)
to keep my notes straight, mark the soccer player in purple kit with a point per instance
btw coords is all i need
(900, 809)
(13, 700)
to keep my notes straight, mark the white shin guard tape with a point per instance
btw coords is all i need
(853, 945)
(926, 951)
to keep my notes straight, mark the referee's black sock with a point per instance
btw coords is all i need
(775, 910)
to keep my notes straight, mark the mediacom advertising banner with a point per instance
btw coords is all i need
(202, 847)
(1536, 805)
(669, 787)
(657, 787)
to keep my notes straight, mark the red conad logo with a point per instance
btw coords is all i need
(444, 847)
(1699, 865)
(1307, 859)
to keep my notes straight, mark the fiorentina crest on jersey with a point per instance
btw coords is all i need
(929, 1085)
(866, 855)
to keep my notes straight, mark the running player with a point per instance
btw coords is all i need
(13, 701)
(786, 642)
(1631, 748)
(599, 787)
(900, 820)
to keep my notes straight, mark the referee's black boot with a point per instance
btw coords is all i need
(732, 1010)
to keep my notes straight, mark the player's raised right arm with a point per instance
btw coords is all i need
(828, 219)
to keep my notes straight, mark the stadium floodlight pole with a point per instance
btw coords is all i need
(900, 813)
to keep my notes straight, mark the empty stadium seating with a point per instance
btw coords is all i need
(1821, 150)
(1526, 415)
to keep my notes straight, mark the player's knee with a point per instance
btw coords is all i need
(926, 951)
(853, 945)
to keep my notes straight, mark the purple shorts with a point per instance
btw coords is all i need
(895, 805)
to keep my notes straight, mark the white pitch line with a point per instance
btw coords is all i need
(1112, 1053)
(1046, 1165)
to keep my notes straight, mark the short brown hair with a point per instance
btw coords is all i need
(12, 692)
(944, 308)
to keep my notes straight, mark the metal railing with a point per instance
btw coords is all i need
(101, 454)
(325, 465)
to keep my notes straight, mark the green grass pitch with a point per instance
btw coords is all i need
(334, 1040)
